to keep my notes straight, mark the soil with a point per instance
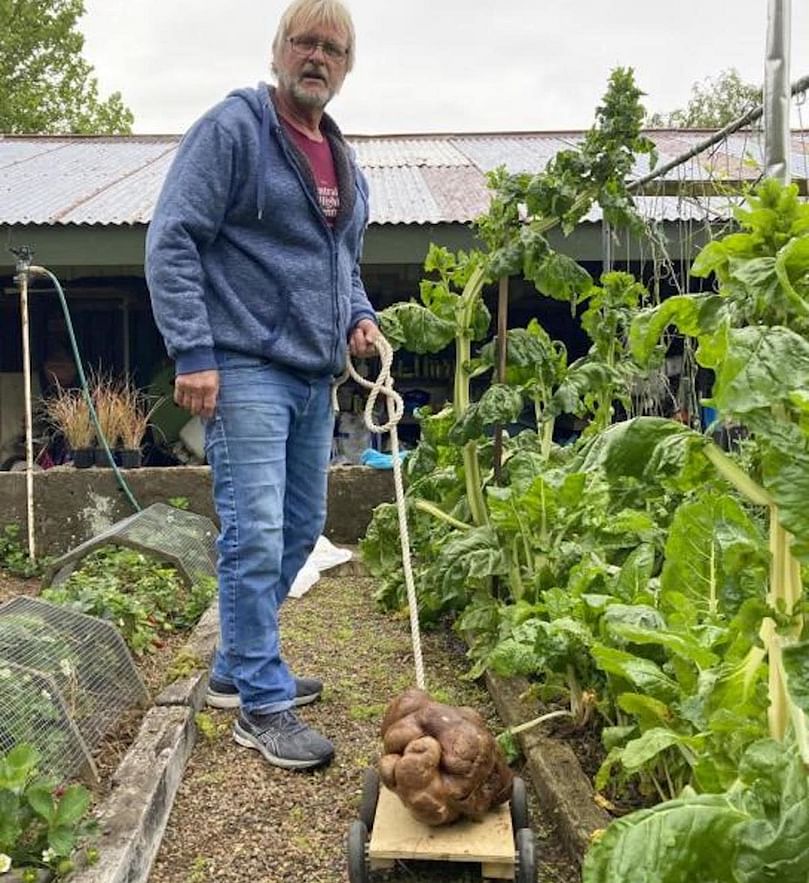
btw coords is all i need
(11, 586)
(237, 818)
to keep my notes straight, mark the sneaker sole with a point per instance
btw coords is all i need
(222, 700)
(248, 741)
(226, 700)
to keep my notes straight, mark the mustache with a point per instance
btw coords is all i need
(314, 71)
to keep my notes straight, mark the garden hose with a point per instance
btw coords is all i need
(383, 385)
(41, 271)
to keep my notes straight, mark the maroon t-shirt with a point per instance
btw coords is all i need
(322, 164)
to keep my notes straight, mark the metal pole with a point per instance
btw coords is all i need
(777, 144)
(22, 279)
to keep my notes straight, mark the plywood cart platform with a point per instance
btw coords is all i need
(502, 843)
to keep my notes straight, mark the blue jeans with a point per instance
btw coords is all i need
(268, 445)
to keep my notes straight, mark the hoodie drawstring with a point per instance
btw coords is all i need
(263, 147)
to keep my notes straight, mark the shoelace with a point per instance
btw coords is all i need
(286, 722)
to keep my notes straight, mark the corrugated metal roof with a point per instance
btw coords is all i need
(414, 179)
(385, 152)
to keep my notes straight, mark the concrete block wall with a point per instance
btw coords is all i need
(72, 505)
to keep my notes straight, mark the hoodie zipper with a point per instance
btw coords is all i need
(335, 304)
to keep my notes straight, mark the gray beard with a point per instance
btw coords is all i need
(304, 98)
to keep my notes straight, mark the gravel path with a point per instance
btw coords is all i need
(238, 819)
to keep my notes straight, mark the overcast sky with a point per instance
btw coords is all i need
(437, 65)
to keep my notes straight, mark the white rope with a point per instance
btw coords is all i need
(383, 385)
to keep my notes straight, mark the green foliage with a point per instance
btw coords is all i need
(757, 830)
(28, 709)
(13, 557)
(144, 598)
(596, 171)
(40, 825)
(714, 103)
(45, 84)
(633, 574)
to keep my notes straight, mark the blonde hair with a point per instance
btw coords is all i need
(303, 14)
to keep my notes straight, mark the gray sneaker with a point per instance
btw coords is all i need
(283, 739)
(224, 695)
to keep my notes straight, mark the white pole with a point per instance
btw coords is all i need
(777, 141)
(29, 432)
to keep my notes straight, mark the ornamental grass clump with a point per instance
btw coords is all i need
(106, 394)
(68, 412)
(134, 410)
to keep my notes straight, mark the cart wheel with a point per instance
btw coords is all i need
(519, 805)
(358, 871)
(370, 797)
(526, 856)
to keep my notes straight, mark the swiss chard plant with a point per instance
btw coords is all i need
(752, 335)
(450, 472)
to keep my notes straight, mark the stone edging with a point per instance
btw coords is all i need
(133, 818)
(565, 792)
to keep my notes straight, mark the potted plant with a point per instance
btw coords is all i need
(106, 400)
(68, 412)
(134, 413)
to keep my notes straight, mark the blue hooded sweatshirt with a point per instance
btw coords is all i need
(239, 255)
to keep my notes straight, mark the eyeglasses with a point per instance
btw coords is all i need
(306, 46)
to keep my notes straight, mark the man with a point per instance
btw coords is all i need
(252, 261)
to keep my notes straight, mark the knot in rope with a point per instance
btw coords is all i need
(383, 385)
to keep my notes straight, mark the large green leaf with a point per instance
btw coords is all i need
(785, 467)
(560, 277)
(692, 315)
(757, 831)
(775, 846)
(642, 673)
(72, 805)
(759, 368)
(635, 572)
(468, 560)
(757, 283)
(649, 712)
(644, 448)
(500, 404)
(415, 328)
(796, 666)
(715, 554)
(690, 840)
(581, 379)
(682, 645)
(530, 356)
(646, 747)
(40, 798)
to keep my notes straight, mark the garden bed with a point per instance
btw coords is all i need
(236, 818)
(112, 755)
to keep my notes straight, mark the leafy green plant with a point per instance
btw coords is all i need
(40, 824)
(451, 470)
(13, 556)
(757, 830)
(144, 598)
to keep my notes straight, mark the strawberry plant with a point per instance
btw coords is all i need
(144, 598)
(40, 825)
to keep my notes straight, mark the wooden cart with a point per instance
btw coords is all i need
(502, 843)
